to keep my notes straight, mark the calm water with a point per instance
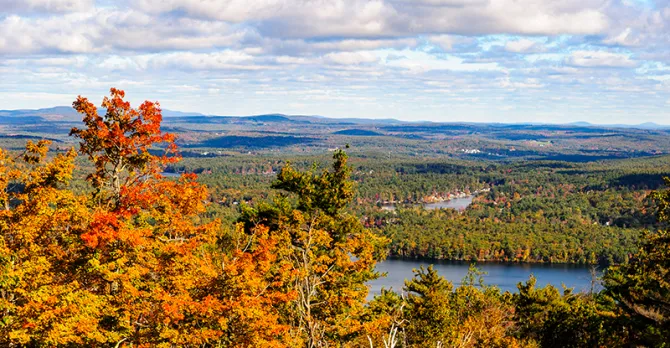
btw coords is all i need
(504, 275)
(455, 203)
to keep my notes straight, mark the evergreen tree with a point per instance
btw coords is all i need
(642, 287)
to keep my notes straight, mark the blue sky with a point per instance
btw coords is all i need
(558, 61)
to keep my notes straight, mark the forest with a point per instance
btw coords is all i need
(522, 211)
(103, 244)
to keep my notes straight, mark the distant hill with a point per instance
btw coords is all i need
(172, 113)
(58, 113)
(269, 118)
(357, 132)
(68, 114)
(331, 120)
(646, 125)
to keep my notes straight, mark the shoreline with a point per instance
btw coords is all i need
(502, 262)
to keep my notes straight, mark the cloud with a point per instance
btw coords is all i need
(625, 38)
(25, 35)
(44, 6)
(223, 60)
(524, 46)
(225, 10)
(595, 59)
(421, 62)
(103, 31)
(379, 18)
(525, 84)
(509, 16)
(351, 58)
(403, 57)
(445, 42)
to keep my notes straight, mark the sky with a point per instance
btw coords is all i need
(554, 61)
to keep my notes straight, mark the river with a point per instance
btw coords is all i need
(504, 275)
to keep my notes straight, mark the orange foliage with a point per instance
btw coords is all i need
(131, 265)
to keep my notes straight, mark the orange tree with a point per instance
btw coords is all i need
(133, 264)
(41, 299)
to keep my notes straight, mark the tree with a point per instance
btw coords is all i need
(41, 299)
(132, 264)
(331, 256)
(642, 287)
(118, 142)
(472, 315)
(431, 321)
(564, 320)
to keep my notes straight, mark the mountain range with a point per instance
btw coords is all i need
(68, 114)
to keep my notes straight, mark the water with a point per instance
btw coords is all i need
(504, 275)
(454, 203)
(459, 204)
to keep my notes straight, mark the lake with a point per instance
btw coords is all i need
(504, 275)
(459, 204)
(455, 203)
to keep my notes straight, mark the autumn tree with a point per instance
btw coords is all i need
(330, 254)
(42, 301)
(133, 264)
(385, 320)
(119, 142)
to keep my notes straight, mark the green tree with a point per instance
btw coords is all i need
(563, 320)
(472, 315)
(642, 287)
(428, 311)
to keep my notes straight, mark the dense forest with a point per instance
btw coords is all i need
(530, 211)
(132, 257)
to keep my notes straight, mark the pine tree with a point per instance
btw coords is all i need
(642, 287)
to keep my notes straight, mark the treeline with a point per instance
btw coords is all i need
(410, 179)
(448, 235)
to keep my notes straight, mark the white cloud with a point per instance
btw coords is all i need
(362, 44)
(625, 38)
(232, 60)
(524, 46)
(365, 18)
(595, 59)
(445, 42)
(226, 10)
(525, 84)
(421, 62)
(23, 35)
(112, 30)
(351, 58)
(48, 6)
